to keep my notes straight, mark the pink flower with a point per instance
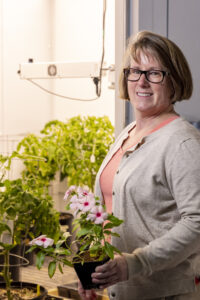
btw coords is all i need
(97, 215)
(71, 189)
(75, 203)
(43, 241)
(87, 203)
(81, 192)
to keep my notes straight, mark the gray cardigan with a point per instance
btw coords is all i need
(156, 192)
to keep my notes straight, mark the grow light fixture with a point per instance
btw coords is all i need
(53, 70)
(48, 70)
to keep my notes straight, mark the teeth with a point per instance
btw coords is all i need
(144, 94)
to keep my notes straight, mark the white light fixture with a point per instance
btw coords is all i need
(48, 70)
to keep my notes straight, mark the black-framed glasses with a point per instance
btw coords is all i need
(154, 76)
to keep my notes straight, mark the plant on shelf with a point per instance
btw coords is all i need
(93, 229)
(26, 210)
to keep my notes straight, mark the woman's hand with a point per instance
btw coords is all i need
(86, 294)
(113, 271)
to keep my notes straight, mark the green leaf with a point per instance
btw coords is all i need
(82, 232)
(97, 230)
(60, 268)
(40, 259)
(6, 246)
(52, 268)
(4, 227)
(31, 249)
(67, 262)
(109, 226)
(62, 251)
(11, 212)
(116, 221)
(109, 250)
(85, 246)
(75, 227)
(116, 250)
(115, 234)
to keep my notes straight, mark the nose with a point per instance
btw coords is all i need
(143, 80)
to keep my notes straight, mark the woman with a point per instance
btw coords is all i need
(151, 179)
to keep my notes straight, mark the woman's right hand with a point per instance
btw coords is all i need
(86, 294)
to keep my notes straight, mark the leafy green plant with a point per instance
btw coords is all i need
(92, 227)
(75, 148)
(26, 210)
(43, 169)
(30, 208)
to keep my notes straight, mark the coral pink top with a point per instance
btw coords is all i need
(107, 175)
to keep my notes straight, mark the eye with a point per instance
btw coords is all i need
(154, 73)
(134, 71)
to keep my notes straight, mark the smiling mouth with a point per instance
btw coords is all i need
(144, 94)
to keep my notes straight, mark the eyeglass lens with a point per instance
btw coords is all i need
(155, 76)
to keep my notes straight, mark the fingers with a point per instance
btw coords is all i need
(106, 278)
(107, 266)
(114, 271)
(106, 270)
(86, 294)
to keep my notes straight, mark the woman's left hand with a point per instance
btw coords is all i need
(113, 271)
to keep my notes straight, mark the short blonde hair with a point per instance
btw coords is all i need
(168, 54)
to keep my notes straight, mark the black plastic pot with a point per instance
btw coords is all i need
(14, 261)
(29, 256)
(48, 297)
(85, 270)
(66, 219)
(70, 291)
(28, 285)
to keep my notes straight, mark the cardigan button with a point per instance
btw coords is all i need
(112, 294)
(117, 172)
(113, 193)
(127, 155)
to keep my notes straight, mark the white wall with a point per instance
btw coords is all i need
(48, 30)
(25, 33)
(80, 23)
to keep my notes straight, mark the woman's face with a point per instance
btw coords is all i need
(149, 99)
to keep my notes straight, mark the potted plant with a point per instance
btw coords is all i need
(93, 228)
(10, 238)
(25, 212)
(23, 291)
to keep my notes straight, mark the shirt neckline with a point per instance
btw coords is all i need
(157, 127)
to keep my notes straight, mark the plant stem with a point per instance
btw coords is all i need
(6, 274)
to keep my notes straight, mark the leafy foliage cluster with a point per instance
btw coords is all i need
(94, 238)
(75, 148)
(30, 208)
(91, 237)
(26, 210)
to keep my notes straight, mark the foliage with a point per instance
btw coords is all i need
(42, 169)
(92, 227)
(76, 148)
(26, 210)
(30, 208)
(92, 224)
